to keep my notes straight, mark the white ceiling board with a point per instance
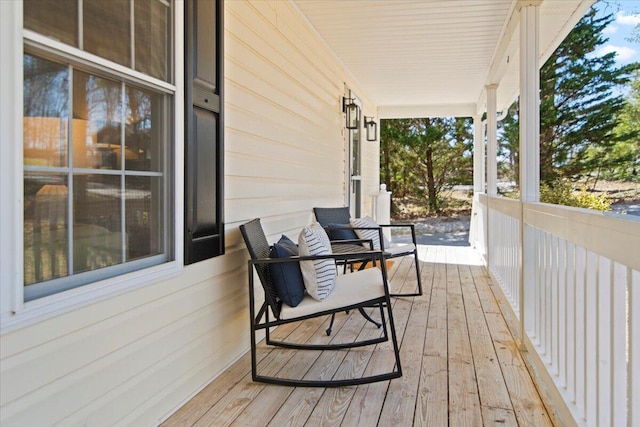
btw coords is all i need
(423, 55)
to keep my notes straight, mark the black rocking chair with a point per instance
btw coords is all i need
(357, 290)
(337, 220)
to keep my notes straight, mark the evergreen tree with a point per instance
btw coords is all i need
(578, 107)
(623, 161)
(420, 157)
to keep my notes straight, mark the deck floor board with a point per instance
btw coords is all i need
(460, 362)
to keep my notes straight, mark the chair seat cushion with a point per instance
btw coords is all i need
(395, 249)
(286, 276)
(319, 275)
(351, 288)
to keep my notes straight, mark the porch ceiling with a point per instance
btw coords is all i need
(434, 57)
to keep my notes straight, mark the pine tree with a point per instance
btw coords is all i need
(422, 156)
(623, 161)
(578, 106)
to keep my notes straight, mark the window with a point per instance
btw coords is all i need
(98, 109)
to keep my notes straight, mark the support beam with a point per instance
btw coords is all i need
(478, 155)
(529, 105)
(437, 110)
(529, 154)
(492, 140)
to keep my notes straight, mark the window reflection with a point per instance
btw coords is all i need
(97, 225)
(97, 118)
(46, 112)
(45, 227)
(143, 222)
(116, 216)
(143, 130)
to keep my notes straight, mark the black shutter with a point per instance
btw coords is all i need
(204, 151)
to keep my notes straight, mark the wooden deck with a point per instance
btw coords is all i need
(461, 366)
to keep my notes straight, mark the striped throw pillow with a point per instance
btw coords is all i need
(319, 276)
(372, 235)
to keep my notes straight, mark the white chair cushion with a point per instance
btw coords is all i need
(319, 276)
(396, 249)
(350, 288)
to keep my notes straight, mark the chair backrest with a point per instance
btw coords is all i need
(327, 216)
(258, 247)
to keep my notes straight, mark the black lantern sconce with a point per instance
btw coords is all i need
(352, 111)
(371, 128)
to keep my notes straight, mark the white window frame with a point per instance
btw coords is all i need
(14, 312)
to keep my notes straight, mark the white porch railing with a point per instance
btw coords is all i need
(577, 298)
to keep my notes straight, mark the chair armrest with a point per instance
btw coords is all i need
(411, 228)
(372, 255)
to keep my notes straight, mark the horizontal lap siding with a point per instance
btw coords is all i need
(118, 359)
(285, 150)
(134, 358)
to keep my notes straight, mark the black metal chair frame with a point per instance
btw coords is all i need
(326, 217)
(259, 250)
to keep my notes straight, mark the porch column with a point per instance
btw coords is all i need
(529, 104)
(529, 151)
(478, 155)
(477, 227)
(492, 140)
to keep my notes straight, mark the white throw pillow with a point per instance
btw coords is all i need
(372, 235)
(319, 276)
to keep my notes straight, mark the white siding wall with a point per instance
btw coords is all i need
(134, 358)
(284, 128)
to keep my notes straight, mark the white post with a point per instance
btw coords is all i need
(529, 105)
(383, 209)
(478, 155)
(476, 228)
(492, 161)
(492, 140)
(529, 152)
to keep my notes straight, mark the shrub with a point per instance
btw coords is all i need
(562, 193)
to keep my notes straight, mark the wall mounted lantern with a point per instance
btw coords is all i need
(352, 111)
(371, 127)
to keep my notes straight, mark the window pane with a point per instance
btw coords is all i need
(107, 29)
(57, 19)
(145, 133)
(46, 202)
(46, 112)
(97, 225)
(152, 38)
(144, 218)
(97, 118)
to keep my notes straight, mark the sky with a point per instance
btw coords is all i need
(627, 16)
